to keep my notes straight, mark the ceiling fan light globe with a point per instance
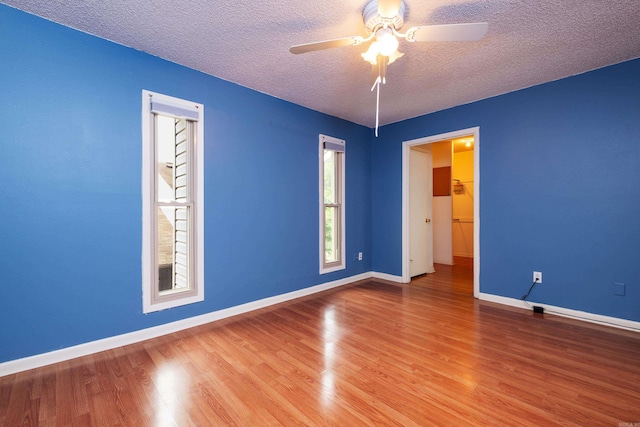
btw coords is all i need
(395, 55)
(387, 42)
(389, 48)
(371, 54)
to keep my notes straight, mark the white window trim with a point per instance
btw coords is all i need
(148, 186)
(343, 232)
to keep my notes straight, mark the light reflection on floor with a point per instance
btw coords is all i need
(170, 381)
(330, 336)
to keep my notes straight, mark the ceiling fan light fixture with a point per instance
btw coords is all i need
(387, 42)
(395, 55)
(371, 54)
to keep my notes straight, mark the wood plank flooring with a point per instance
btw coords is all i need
(371, 353)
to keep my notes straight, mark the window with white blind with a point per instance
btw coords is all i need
(332, 206)
(172, 205)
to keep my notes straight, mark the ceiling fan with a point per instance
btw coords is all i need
(382, 20)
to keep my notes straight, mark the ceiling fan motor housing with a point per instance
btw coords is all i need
(373, 21)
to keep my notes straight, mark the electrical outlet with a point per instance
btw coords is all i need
(359, 256)
(537, 277)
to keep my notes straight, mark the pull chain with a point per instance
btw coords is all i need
(377, 106)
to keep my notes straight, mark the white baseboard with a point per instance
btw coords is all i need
(385, 276)
(32, 362)
(565, 312)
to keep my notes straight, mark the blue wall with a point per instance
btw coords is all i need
(71, 219)
(559, 190)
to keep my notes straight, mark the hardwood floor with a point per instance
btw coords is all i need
(371, 353)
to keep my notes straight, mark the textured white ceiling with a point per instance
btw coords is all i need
(247, 42)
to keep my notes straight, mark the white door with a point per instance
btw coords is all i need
(420, 210)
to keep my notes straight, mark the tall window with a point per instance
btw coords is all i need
(332, 209)
(172, 206)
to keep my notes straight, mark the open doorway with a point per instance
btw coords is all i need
(467, 237)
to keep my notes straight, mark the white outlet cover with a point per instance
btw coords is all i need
(537, 277)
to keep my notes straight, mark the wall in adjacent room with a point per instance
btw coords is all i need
(559, 190)
(442, 208)
(463, 204)
(71, 218)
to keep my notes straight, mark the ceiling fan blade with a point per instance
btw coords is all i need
(326, 44)
(448, 33)
(388, 8)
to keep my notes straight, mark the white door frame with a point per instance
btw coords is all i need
(406, 146)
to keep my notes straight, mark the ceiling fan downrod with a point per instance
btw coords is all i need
(373, 17)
